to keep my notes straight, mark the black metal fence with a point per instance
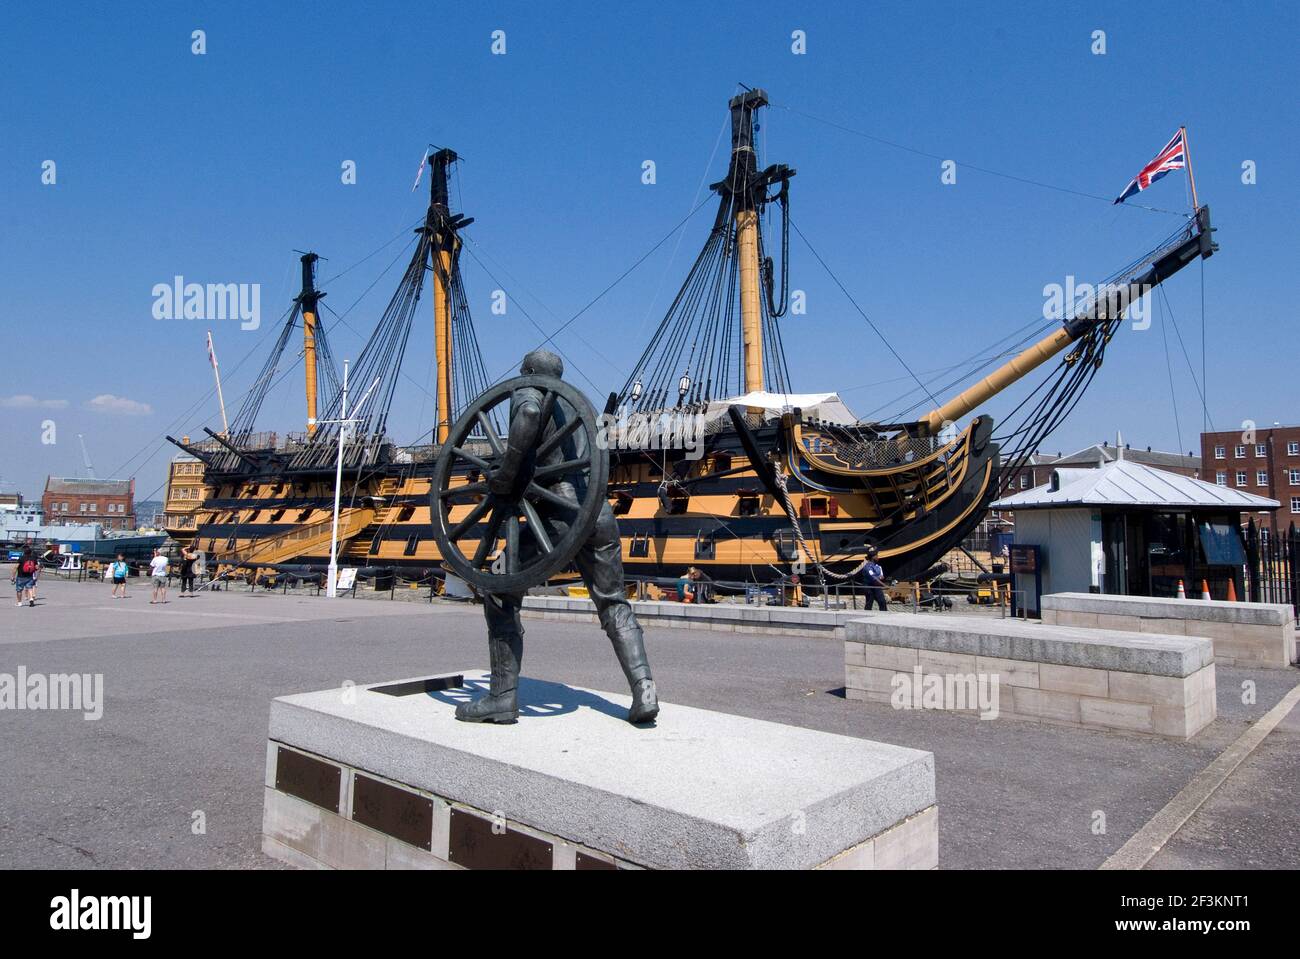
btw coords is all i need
(1273, 566)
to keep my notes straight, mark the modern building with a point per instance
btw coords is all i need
(1132, 529)
(109, 503)
(1037, 471)
(1265, 462)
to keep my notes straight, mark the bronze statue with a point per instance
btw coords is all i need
(543, 474)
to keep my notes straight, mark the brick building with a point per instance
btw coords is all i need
(111, 503)
(1265, 462)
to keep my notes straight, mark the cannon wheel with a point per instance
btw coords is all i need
(528, 554)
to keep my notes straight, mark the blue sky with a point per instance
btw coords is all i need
(217, 167)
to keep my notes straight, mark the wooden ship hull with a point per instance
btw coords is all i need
(770, 490)
(729, 525)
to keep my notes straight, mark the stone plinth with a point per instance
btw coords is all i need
(1244, 634)
(722, 617)
(358, 778)
(1134, 682)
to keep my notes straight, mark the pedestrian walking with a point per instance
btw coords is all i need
(24, 578)
(874, 578)
(118, 571)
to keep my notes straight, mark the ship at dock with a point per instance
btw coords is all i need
(775, 481)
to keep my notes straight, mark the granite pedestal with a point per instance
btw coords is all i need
(1244, 634)
(384, 777)
(1102, 679)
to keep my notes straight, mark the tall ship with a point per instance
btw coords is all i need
(771, 482)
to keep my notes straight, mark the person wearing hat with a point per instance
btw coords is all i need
(874, 578)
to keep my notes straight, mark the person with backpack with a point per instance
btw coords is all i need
(24, 578)
(118, 570)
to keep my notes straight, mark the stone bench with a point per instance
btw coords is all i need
(1244, 634)
(1134, 682)
(383, 777)
(725, 617)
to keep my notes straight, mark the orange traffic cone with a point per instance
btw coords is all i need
(1205, 590)
(1232, 591)
(1182, 593)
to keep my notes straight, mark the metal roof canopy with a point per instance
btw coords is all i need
(1125, 483)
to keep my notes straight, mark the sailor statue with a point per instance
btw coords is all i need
(599, 558)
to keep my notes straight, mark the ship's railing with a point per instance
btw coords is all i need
(879, 454)
(429, 452)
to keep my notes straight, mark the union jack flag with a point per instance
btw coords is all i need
(1172, 157)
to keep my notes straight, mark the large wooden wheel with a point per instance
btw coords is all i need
(508, 543)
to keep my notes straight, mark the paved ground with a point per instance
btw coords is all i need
(187, 687)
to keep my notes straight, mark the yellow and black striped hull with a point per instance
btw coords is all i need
(715, 513)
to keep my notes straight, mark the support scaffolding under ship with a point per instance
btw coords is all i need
(782, 481)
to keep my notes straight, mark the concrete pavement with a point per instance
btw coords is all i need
(188, 687)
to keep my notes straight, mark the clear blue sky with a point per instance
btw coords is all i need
(217, 167)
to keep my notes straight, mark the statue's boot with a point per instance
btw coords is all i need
(501, 704)
(630, 649)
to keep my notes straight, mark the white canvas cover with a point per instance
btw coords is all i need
(823, 406)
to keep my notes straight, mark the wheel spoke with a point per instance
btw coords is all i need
(559, 436)
(490, 432)
(474, 515)
(489, 536)
(559, 469)
(538, 530)
(555, 499)
(475, 460)
(467, 488)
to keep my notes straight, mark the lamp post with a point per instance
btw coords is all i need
(345, 426)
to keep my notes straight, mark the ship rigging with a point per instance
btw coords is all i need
(785, 480)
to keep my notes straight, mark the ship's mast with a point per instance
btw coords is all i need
(742, 180)
(444, 244)
(719, 336)
(744, 167)
(309, 300)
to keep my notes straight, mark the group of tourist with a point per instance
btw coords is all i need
(27, 571)
(160, 574)
(694, 587)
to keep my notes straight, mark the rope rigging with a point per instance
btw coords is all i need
(699, 353)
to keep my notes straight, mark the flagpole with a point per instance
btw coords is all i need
(212, 355)
(1191, 177)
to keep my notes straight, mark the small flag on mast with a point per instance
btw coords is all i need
(212, 353)
(1172, 157)
(424, 161)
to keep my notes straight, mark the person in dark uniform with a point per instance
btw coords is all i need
(600, 561)
(874, 578)
(188, 558)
